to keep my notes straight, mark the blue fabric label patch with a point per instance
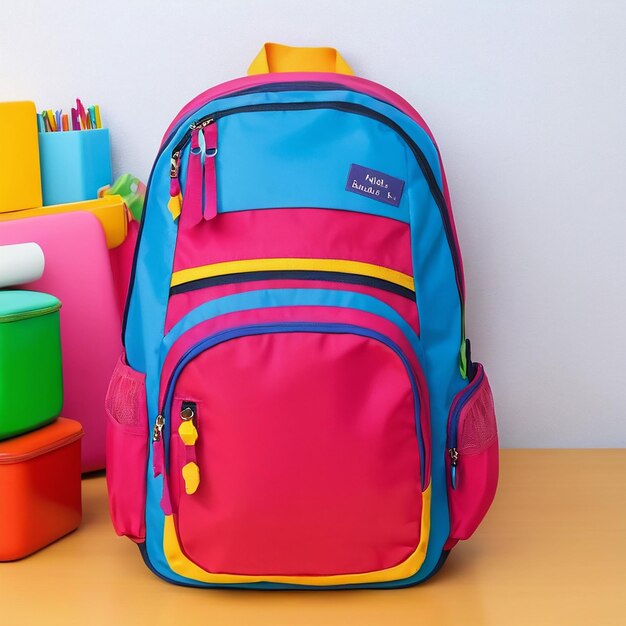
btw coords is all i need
(374, 184)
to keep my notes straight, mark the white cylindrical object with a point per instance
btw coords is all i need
(20, 263)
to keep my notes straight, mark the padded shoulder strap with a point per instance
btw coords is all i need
(275, 57)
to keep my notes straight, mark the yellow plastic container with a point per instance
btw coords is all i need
(110, 211)
(20, 180)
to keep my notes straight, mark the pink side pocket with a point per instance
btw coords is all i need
(127, 450)
(472, 459)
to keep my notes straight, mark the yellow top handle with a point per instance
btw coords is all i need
(275, 57)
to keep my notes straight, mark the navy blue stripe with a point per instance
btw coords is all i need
(337, 277)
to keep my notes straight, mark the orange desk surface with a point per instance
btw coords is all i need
(551, 551)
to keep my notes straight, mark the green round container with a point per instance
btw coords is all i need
(31, 379)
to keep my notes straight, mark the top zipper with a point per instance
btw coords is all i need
(178, 149)
(348, 107)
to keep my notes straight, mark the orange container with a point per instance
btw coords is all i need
(39, 488)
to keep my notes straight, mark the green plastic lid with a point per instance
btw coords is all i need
(16, 304)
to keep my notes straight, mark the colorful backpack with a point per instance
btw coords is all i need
(297, 405)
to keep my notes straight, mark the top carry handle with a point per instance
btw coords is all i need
(275, 57)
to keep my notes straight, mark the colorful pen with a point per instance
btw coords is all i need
(81, 112)
(92, 117)
(51, 121)
(46, 121)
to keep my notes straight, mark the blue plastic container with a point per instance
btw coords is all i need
(74, 164)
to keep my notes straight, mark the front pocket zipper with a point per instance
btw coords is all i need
(308, 453)
(188, 433)
(162, 424)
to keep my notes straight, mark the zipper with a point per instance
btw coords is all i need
(178, 149)
(158, 462)
(188, 433)
(262, 329)
(271, 88)
(453, 430)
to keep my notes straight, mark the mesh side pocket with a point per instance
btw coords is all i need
(478, 422)
(122, 398)
(127, 450)
(474, 475)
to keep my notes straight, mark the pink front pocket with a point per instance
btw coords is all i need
(127, 450)
(296, 451)
(472, 456)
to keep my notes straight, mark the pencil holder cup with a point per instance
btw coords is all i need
(74, 164)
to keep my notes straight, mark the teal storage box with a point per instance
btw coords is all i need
(74, 164)
(31, 379)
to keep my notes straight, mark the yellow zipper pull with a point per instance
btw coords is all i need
(187, 429)
(191, 476)
(189, 435)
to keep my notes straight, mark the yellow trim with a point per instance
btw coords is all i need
(323, 265)
(110, 211)
(174, 205)
(275, 57)
(181, 565)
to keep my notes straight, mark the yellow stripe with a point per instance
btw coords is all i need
(183, 566)
(320, 265)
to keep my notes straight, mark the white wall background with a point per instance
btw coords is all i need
(527, 100)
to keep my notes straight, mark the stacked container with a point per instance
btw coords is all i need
(39, 455)
(87, 255)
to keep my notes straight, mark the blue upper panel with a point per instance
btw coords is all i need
(302, 159)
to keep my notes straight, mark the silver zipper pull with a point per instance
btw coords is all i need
(157, 432)
(454, 459)
(201, 124)
(454, 456)
(187, 414)
(174, 164)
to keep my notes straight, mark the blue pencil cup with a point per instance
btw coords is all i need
(74, 164)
